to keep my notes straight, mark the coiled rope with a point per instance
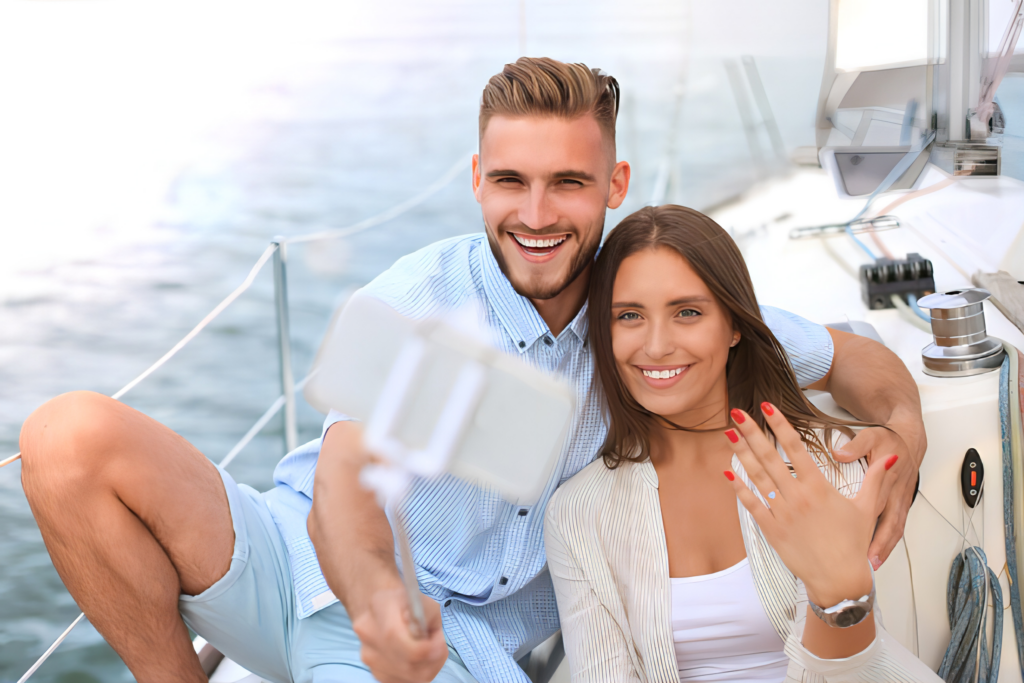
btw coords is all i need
(967, 659)
(365, 224)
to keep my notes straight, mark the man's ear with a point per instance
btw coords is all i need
(619, 185)
(476, 177)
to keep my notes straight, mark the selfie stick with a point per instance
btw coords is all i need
(392, 479)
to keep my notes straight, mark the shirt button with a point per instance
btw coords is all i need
(522, 344)
(447, 602)
(503, 580)
(523, 512)
(547, 340)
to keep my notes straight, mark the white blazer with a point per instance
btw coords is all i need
(608, 558)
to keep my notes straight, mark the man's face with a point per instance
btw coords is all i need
(544, 184)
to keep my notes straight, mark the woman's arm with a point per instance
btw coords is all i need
(595, 646)
(821, 535)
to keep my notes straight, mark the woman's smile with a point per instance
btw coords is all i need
(662, 376)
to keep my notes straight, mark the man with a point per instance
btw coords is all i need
(145, 531)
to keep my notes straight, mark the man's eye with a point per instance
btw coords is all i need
(571, 182)
(508, 180)
(630, 315)
(688, 313)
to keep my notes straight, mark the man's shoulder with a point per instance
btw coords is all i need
(439, 275)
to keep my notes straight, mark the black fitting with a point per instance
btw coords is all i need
(879, 281)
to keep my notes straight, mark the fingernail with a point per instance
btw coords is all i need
(729, 475)
(891, 461)
(875, 563)
(737, 415)
(732, 435)
(767, 409)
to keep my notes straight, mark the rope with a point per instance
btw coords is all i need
(1010, 433)
(268, 252)
(908, 312)
(393, 212)
(279, 403)
(261, 423)
(49, 651)
(967, 658)
(242, 443)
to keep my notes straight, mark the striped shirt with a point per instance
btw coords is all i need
(609, 562)
(480, 557)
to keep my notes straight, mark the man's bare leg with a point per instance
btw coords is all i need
(132, 515)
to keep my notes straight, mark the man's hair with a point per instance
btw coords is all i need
(540, 86)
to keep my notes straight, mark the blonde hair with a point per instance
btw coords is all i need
(540, 86)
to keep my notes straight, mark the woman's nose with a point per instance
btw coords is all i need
(659, 343)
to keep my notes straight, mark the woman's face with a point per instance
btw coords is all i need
(670, 338)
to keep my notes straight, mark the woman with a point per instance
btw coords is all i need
(659, 574)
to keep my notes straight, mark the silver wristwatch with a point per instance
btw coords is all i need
(848, 612)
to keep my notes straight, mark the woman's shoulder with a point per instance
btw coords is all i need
(586, 491)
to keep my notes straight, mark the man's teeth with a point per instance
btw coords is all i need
(663, 374)
(539, 244)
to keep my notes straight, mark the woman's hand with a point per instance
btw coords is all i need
(821, 535)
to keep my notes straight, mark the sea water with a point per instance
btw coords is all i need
(150, 151)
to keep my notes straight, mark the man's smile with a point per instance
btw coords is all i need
(539, 249)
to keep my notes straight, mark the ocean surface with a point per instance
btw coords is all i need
(152, 150)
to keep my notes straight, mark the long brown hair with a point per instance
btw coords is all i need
(757, 369)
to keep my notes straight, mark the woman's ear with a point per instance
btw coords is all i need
(735, 338)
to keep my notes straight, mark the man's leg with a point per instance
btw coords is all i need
(132, 515)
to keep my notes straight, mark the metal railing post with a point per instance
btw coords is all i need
(284, 347)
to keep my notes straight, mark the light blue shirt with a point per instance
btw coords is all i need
(480, 557)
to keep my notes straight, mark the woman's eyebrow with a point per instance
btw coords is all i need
(627, 304)
(689, 300)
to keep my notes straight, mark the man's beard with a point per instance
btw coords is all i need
(584, 257)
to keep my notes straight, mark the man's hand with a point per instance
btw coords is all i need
(907, 441)
(388, 646)
(356, 551)
(874, 385)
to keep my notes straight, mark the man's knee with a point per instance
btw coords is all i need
(66, 438)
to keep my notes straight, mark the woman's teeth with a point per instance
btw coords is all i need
(663, 374)
(539, 244)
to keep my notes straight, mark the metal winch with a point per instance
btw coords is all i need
(962, 346)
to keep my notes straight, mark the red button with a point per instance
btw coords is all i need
(974, 478)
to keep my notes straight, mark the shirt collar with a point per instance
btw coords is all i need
(517, 315)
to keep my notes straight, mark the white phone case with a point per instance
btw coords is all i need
(443, 399)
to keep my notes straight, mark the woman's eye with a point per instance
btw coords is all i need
(630, 315)
(688, 313)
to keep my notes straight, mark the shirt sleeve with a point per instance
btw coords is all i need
(808, 345)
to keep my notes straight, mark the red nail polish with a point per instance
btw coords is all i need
(732, 435)
(891, 461)
(729, 475)
(737, 415)
(767, 409)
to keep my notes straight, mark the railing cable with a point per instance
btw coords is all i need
(391, 213)
(277, 404)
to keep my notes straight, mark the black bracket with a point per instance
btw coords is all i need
(879, 281)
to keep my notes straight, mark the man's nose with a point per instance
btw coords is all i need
(537, 213)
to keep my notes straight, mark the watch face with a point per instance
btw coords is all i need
(850, 616)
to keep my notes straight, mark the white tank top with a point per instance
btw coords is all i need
(721, 632)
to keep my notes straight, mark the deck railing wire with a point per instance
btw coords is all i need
(286, 400)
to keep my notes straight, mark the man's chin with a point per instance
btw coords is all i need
(539, 289)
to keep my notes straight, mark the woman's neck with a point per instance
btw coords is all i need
(711, 418)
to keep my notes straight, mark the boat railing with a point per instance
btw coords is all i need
(277, 252)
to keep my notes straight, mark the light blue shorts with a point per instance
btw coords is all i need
(250, 616)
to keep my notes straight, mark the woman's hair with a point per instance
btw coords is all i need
(757, 369)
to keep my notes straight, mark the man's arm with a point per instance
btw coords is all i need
(355, 548)
(872, 383)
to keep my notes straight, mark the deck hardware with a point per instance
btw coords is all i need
(910, 276)
(962, 346)
(284, 342)
(972, 477)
